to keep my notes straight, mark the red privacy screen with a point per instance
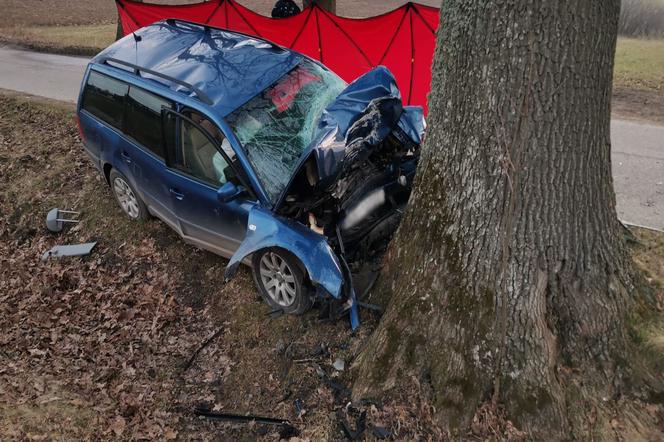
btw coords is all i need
(403, 39)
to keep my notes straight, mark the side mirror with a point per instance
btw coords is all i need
(229, 192)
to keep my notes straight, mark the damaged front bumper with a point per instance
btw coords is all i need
(327, 273)
(345, 198)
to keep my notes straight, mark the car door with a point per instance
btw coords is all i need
(198, 167)
(142, 150)
(122, 127)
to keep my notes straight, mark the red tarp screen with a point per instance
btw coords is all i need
(403, 39)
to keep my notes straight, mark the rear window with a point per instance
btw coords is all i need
(130, 109)
(143, 119)
(104, 98)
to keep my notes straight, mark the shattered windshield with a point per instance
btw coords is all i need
(277, 125)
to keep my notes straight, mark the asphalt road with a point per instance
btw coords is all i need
(637, 153)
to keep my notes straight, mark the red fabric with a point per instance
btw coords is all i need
(403, 39)
(284, 92)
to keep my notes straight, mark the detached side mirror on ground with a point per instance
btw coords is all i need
(229, 192)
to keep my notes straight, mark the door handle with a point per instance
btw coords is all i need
(125, 157)
(177, 194)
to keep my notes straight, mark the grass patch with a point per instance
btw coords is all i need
(70, 39)
(56, 415)
(640, 63)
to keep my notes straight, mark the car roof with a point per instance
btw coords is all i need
(228, 67)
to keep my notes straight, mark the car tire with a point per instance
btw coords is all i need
(280, 279)
(131, 204)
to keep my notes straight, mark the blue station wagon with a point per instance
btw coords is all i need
(254, 152)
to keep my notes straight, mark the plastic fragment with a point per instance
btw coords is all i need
(68, 250)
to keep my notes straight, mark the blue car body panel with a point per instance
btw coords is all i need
(329, 144)
(230, 69)
(321, 262)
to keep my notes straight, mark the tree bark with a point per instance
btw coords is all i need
(330, 5)
(509, 277)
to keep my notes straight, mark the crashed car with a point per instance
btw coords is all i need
(254, 152)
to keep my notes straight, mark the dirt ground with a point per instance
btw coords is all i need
(100, 347)
(644, 105)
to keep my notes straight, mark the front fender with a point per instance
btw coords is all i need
(264, 230)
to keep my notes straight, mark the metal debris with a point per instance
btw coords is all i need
(381, 432)
(55, 219)
(286, 427)
(68, 250)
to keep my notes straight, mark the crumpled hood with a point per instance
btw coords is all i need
(377, 89)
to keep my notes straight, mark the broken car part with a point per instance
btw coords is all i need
(68, 250)
(55, 219)
(254, 152)
(285, 424)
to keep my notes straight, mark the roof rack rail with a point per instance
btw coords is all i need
(206, 27)
(138, 69)
(174, 21)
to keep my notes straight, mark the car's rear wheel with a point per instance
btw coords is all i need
(280, 280)
(127, 197)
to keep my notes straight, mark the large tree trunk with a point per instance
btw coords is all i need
(509, 278)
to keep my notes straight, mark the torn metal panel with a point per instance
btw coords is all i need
(68, 250)
(312, 249)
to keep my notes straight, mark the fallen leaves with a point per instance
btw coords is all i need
(94, 347)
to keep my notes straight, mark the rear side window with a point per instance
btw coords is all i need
(143, 119)
(104, 98)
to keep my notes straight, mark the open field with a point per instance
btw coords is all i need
(640, 64)
(638, 83)
(86, 27)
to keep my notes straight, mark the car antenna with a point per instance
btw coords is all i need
(137, 38)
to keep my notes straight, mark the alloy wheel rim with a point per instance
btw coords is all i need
(126, 197)
(278, 279)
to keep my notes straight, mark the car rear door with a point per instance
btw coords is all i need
(143, 151)
(198, 167)
(122, 127)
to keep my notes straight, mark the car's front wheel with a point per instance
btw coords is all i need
(126, 196)
(280, 280)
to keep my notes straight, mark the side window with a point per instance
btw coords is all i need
(104, 98)
(196, 152)
(143, 119)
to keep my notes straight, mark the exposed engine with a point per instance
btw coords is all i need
(360, 207)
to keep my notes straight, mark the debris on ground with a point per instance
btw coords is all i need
(360, 424)
(381, 432)
(68, 250)
(55, 219)
(285, 426)
(201, 347)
